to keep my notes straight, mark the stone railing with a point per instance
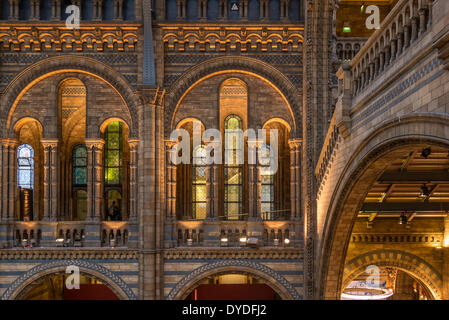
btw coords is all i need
(347, 48)
(233, 234)
(190, 236)
(406, 24)
(72, 234)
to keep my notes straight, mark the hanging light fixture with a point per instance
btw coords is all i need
(403, 218)
(425, 193)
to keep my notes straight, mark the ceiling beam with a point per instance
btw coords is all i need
(405, 206)
(410, 218)
(387, 193)
(398, 177)
(408, 160)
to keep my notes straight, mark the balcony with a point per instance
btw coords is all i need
(43, 234)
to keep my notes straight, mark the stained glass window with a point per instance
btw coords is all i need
(199, 183)
(25, 166)
(267, 184)
(113, 154)
(79, 158)
(233, 202)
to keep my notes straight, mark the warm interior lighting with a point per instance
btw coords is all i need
(381, 296)
(243, 239)
(287, 241)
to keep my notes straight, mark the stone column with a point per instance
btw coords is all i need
(445, 268)
(170, 236)
(414, 29)
(393, 50)
(406, 37)
(422, 20)
(252, 179)
(133, 146)
(98, 4)
(13, 9)
(95, 179)
(295, 178)
(51, 187)
(56, 10)
(400, 44)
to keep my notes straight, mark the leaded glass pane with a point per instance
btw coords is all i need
(25, 166)
(80, 176)
(200, 210)
(199, 192)
(267, 193)
(113, 176)
(113, 153)
(233, 193)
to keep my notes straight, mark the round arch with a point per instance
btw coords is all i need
(22, 121)
(389, 141)
(187, 120)
(209, 68)
(402, 260)
(112, 281)
(63, 64)
(108, 121)
(280, 120)
(273, 279)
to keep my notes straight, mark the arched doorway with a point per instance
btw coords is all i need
(387, 197)
(232, 286)
(385, 283)
(53, 287)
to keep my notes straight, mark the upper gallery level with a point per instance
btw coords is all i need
(182, 11)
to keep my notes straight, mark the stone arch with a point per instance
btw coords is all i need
(252, 66)
(186, 120)
(390, 140)
(405, 261)
(63, 64)
(114, 282)
(22, 121)
(276, 281)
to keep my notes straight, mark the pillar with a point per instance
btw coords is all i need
(133, 147)
(295, 178)
(252, 180)
(445, 269)
(170, 238)
(95, 179)
(51, 187)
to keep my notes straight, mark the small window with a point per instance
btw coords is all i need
(25, 168)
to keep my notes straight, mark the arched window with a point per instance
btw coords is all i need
(108, 9)
(171, 10)
(267, 184)
(113, 168)
(212, 9)
(24, 9)
(45, 9)
(113, 154)
(128, 10)
(293, 10)
(87, 9)
(192, 9)
(233, 171)
(64, 5)
(233, 10)
(253, 10)
(25, 166)
(79, 182)
(274, 10)
(25, 181)
(199, 183)
(79, 158)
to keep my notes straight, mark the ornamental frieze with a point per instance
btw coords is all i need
(198, 254)
(224, 38)
(59, 38)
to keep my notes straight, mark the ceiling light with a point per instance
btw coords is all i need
(425, 193)
(403, 219)
(426, 152)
